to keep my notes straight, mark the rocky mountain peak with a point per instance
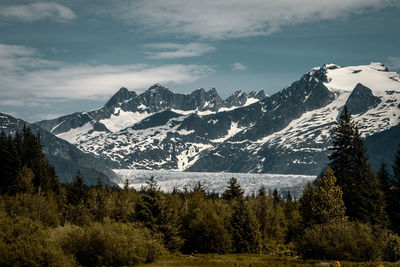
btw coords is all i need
(122, 95)
(258, 94)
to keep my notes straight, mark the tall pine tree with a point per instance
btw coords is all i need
(384, 177)
(362, 194)
(393, 198)
(396, 168)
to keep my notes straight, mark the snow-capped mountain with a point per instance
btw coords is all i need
(65, 158)
(126, 108)
(287, 132)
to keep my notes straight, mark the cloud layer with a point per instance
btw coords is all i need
(27, 79)
(237, 66)
(224, 19)
(37, 12)
(173, 50)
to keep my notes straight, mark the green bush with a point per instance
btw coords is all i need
(23, 243)
(109, 244)
(339, 241)
(391, 247)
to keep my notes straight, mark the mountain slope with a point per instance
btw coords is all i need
(287, 132)
(66, 158)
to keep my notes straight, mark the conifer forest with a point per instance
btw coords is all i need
(349, 213)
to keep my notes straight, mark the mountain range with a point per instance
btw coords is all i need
(287, 132)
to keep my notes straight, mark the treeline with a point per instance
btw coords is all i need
(349, 213)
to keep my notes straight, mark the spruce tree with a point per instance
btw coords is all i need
(277, 197)
(369, 204)
(199, 188)
(233, 191)
(77, 192)
(153, 211)
(396, 168)
(246, 236)
(341, 156)
(383, 176)
(362, 194)
(393, 198)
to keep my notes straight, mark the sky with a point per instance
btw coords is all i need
(60, 57)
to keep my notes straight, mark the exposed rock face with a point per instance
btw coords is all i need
(361, 100)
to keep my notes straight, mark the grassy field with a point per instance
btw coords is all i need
(215, 260)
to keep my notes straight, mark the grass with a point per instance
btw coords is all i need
(216, 260)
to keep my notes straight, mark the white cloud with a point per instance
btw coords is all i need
(393, 62)
(38, 11)
(224, 19)
(25, 76)
(172, 50)
(237, 66)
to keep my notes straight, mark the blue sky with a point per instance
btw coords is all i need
(59, 57)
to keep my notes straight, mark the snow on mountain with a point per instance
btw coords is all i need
(287, 132)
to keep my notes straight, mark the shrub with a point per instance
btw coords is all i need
(23, 243)
(391, 247)
(341, 241)
(109, 244)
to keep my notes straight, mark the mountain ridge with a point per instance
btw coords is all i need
(286, 133)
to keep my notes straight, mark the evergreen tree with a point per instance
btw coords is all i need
(77, 192)
(262, 192)
(25, 149)
(199, 188)
(246, 236)
(277, 196)
(233, 191)
(10, 163)
(342, 151)
(393, 197)
(204, 228)
(383, 176)
(153, 211)
(23, 182)
(35, 159)
(323, 204)
(396, 168)
(362, 195)
(369, 203)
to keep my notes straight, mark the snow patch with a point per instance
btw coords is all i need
(76, 134)
(231, 132)
(122, 119)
